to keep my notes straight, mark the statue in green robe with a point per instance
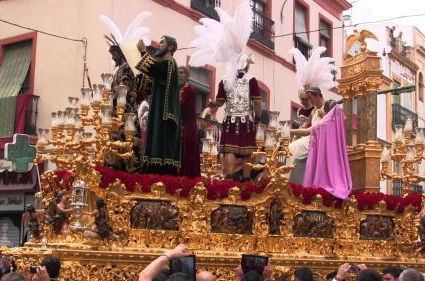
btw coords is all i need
(163, 142)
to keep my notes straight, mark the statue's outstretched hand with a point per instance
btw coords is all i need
(141, 46)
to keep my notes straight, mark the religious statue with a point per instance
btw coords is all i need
(58, 213)
(138, 89)
(31, 218)
(224, 42)
(101, 227)
(163, 144)
(190, 141)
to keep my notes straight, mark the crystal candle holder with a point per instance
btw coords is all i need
(107, 80)
(97, 93)
(274, 123)
(122, 94)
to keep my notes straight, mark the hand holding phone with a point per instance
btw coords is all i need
(185, 265)
(254, 263)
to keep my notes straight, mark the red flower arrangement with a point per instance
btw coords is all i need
(365, 200)
(217, 189)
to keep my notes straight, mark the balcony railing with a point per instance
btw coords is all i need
(400, 115)
(206, 7)
(303, 46)
(31, 112)
(263, 29)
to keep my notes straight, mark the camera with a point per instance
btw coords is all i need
(354, 269)
(33, 269)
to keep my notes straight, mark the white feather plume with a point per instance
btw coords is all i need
(222, 41)
(134, 31)
(316, 71)
(136, 23)
(112, 26)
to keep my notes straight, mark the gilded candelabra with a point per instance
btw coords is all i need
(407, 149)
(273, 149)
(81, 136)
(209, 162)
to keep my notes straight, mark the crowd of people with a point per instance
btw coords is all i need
(157, 271)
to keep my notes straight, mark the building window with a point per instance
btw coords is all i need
(301, 40)
(16, 74)
(207, 7)
(263, 27)
(396, 98)
(325, 39)
(200, 80)
(265, 103)
(421, 86)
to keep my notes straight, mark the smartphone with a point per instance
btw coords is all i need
(186, 265)
(256, 263)
(354, 269)
(33, 269)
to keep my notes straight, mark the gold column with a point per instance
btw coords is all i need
(361, 76)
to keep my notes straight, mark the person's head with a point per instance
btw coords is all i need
(6, 261)
(303, 274)
(315, 95)
(243, 63)
(58, 197)
(167, 44)
(369, 275)
(117, 55)
(180, 276)
(391, 273)
(411, 275)
(304, 99)
(183, 74)
(13, 276)
(52, 265)
(205, 276)
(252, 276)
(331, 275)
(162, 275)
(30, 208)
(100, 203)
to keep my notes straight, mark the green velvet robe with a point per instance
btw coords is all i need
(163, 143)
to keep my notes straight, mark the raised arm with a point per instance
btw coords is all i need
(150, 271)
(146, 64)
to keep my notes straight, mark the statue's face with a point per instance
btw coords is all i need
(163, 48)
(182, 76)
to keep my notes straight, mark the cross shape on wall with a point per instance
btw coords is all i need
(20, 152)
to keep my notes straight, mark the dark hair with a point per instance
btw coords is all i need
(100, 203)
(179, 276)
(369, 275)
(162, 275)
(252, 276)
(394, 271)
(329, 104)
(411, 275)
(171, 41)
(58, 196)
(331, 275)
(303, 274)
(30, 208)
(315, 91)
(53, 266)
(13, 276)
(186, 70)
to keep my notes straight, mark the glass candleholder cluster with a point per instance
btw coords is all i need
(406, 152)
(81, 134)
